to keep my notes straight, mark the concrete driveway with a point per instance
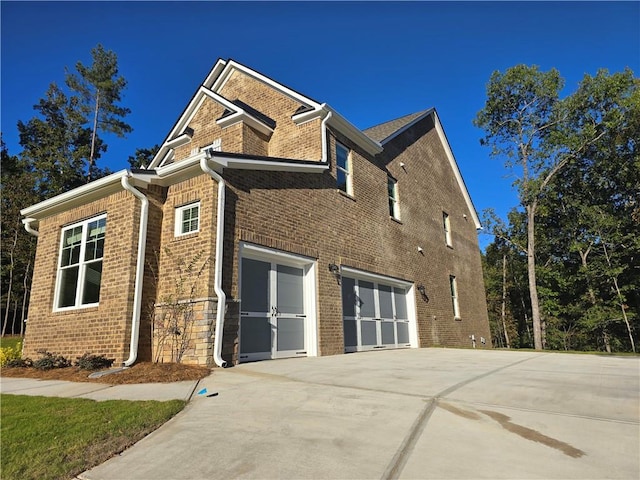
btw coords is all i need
(425, 413)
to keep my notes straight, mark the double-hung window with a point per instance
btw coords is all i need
(446, 223)
(80, 264)
(343, 169)
(187, 219)
(454, 297)
(392, 190)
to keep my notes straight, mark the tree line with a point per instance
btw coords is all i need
(563, 270)
(61, 145)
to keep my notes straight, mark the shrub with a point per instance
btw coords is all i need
(49, 361)
(19, 363)
(9, 354)
(93, 362)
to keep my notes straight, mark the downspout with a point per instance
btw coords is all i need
(27, 226)
(323, 127)
(217, 279)
(137, 294)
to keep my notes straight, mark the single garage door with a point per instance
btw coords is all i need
(375, 314)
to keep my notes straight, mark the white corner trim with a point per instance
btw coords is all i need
(214, 73)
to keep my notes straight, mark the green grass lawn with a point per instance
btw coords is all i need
(9, 341)
(58, 438)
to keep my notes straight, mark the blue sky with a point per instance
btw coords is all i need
(371, 61)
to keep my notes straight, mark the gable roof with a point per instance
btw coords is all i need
(385, 132)
(309, 110)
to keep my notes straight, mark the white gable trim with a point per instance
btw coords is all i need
(456, 170)
(217, 83)
(176, 137)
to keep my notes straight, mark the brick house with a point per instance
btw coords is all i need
(275, 226)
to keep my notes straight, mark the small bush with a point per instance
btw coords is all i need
(49, 361)
(93, 362)
(8, 354)
(19, 363)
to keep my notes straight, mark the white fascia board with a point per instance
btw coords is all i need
(178, 141)
(232, 65)
(352, 132)
(305, 117)
(214, 73)
(82, 195)
(456, 170)
(268, 165)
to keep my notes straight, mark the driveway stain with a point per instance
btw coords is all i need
(533, 435)
(458, 411)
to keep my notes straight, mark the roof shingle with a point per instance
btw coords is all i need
(386, 129)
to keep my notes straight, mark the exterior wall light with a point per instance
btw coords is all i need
(423, 293)
(335, 269)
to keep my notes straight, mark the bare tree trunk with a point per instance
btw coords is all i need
(620, 300)
(25, 295)
(10, 287)
(504, 300)
(93, 135)
(531, 270)
(15, 316)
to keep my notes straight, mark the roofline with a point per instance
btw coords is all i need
(86, 193)
(407, 126)
(456, 169)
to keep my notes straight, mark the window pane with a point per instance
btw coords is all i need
(350, 333)
(392, 207)
(348, 297)
(341, 180)
(290, 334)
(68, 286)
(384, 298)
(388, 334)
(290, 295)
(403, 332)
(255, 286)
(92, 277)
(368, 332)
(367, 303)
(342, 156)
(401, 303)
(255, 335)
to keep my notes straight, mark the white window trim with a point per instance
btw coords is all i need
(453, 284)
(446, 222)
(81, 267)
(179, 219)
(394, 198)
(348, 171)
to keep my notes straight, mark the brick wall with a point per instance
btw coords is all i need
(102, 330)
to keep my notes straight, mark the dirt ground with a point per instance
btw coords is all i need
(143, 372)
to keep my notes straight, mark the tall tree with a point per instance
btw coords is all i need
(18, 247)
(143, 156)
(538, 135)
(54, 144)
(98, 90)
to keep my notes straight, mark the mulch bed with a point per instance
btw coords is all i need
(143, 372)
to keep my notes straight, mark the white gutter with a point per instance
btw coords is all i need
(217, 280)
(27, 226)
(137, 294)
